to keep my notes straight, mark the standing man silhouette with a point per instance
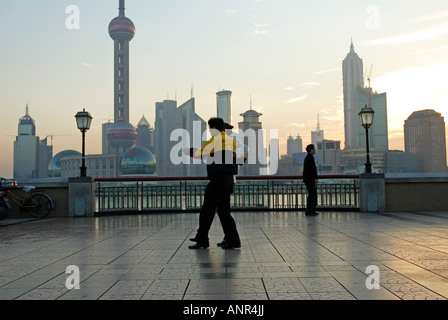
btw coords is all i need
(310, 179)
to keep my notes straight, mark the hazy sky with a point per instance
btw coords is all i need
(286, 54)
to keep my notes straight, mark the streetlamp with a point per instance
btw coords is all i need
(83, 120)
(366, 116)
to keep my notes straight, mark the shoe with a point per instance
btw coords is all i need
(193, 239)
(231, 246)
(223, 243)
(199, 245)
(315, 213)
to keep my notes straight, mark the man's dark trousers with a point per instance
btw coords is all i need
(217, 198)
(311, 202)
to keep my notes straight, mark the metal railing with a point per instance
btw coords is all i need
(254, 193)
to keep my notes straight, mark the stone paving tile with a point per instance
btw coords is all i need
(332, 295)
(284, 256)
(167, 287)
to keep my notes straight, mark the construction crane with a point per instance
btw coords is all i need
(109, 119)
(369, 77)
(56, 135)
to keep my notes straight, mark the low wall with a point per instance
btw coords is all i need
(419, 192)
(57, 189)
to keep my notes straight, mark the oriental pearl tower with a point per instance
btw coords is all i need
(122, 135)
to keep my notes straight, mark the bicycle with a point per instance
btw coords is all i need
(39, 204)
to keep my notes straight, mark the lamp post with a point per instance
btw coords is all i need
(83, 121)
(366, 116)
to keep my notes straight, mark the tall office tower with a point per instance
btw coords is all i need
(424, 134)
(26, 149)
(44, 158)
(378, 133)
(253, 138)
(329, 155)
(106, 148)
(145, 135)
(293, 145)
(224, 105)
(352, 76)
(169, 118)
(318, 135)
(121, 135)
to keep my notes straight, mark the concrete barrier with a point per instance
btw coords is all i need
(417, 192)
(56, 188)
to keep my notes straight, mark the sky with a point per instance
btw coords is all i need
(285, 55)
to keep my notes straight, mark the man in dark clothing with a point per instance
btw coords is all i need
(310, 180)
(219, 153)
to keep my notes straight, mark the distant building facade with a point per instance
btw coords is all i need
(424, 134)
(329, 155)
(31, 155)
(294, 145)
(169, 117)
(378, 133)
(224, 105)
(98, 166)
(318, 135)
(251, 127)
(145, 135)
(352, 76)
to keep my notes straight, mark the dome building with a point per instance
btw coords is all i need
(55, 167)
(138, 161)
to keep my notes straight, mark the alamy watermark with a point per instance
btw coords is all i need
(74, 278)
(373, 279)
(373, 17)
(73, 21)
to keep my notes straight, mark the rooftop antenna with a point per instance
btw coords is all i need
(250, 102)
(318, 123)
(192, 90)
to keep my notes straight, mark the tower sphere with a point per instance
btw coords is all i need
(122, 134)
(122, 29)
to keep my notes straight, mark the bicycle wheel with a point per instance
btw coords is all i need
(3, 210)
(39, 205)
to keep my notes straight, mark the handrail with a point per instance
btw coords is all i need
(265, 177)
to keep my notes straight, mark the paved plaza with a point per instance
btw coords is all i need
(284, 256)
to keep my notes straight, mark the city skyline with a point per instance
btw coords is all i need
(259, 53)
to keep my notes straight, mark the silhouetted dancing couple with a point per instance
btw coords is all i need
(222, 164)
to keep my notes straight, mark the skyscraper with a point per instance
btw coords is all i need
(145, 134)
(26, 149)
(253, 138)
(318, 135)
(106, 148)
(352, 75)
(169, 118)
(378, 132)
(424, 134)
(293, 145)
(44, 157)
(224, 105)
(121, 135)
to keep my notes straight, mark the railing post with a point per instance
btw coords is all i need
(372, 192)
(81, 197)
